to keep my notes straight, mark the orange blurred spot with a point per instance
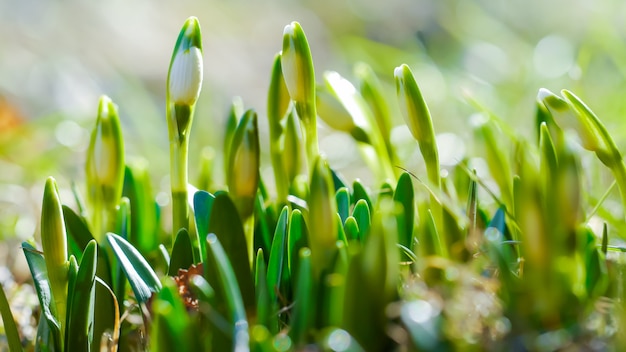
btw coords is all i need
(10, 116)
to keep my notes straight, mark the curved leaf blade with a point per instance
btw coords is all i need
(143, 280)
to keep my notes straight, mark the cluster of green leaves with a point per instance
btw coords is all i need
(418, 264)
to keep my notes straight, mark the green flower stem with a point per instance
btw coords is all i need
(310, 128)
(184, 81)
(179, 150)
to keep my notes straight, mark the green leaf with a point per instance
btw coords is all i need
(265, 222)
(277, 271)
(497, 159)
(143, 222)
(263, 303)
(297, 238)
(338, 180)
(227, 283)
(343, 203)
(359, 192)
(79, 334)
(182, 253)
(430, 242)
(171, 329)
(333, 291)
(371, 281)
(143, 280)
(405, 195)
(10, 328)
(77, 232)
(305, 303)
(234, 114)
(351, 229)
(202, 205)
(321, 218)
(39, 273)
(361, 214)
(225, 223)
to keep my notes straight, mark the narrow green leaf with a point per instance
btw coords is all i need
(277, 273)
(472, 208)
(359, 192)
(338, 180)
(143, 222)
(265, 222)
(217, 258)
(226, 224)
(361, 214)
(143, 280)
(263, 303)
(305, 303)
(430, 242)
(39, 273)
(10, 328)
(343, 203)
(182, 253)
(81, 308)
(405, 195)
(234, 114)
(202, 205)
(78, 233)
(341, 235)
(297, 238)
(351, 229)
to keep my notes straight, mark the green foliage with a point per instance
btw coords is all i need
(507, 261)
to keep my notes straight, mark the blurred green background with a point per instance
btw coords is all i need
(58, 57)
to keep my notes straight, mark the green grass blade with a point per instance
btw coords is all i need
(405, 195)
(277, 273)
(10, 328)
(81, 308)
(143, 280)
(263, 303)
(217, 258)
